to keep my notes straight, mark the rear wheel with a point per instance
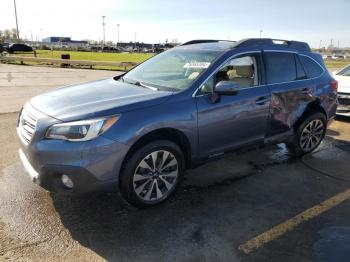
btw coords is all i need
(152, 173)
(309, 134)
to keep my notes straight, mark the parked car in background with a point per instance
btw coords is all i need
(139, 131)
(343, 78)
(1, 48)
(19, 48)
(110, 49)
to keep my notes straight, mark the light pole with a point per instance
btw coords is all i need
(41, 34)
(260, 32)
(118, 26)
(14, 2)
(103, 27)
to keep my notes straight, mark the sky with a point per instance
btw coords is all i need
(153, 21)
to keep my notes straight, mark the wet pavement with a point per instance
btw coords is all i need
(219, 206)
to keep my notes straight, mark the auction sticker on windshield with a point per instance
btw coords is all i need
(197, 65)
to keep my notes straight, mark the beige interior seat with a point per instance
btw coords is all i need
(243, 75)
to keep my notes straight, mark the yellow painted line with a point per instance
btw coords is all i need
(290, 224)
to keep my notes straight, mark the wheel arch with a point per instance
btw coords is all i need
(170, 134)
(311, 108)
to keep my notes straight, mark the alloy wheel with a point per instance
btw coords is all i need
(156, 176)
(311, 135)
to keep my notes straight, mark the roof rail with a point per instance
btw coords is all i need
(259, 42)
(201, 41)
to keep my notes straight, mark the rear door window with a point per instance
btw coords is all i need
(280, 67)
(312, 68)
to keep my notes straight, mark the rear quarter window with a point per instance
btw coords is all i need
(312, 68)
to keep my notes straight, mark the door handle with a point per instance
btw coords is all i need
(261, 100)
(305, 91)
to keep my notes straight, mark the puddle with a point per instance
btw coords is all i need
(236, 166)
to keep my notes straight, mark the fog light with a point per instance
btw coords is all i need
(67, 182)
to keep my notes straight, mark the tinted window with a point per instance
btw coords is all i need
(300, 69)
(280, 67)
(312, 68)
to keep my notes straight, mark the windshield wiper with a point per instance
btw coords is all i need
(138, 83)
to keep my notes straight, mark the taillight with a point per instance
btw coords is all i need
(334, 85)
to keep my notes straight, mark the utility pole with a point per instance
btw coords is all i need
(260, 32)
(14, 2)
(135, 41)
(41, 34)
(103, 27)
(118, 25)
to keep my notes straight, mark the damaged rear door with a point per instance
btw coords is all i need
(290, 89)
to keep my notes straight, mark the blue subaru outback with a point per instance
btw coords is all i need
(139, 131)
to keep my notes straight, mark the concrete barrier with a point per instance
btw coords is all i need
(90, 63)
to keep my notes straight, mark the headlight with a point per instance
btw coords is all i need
(83, 130)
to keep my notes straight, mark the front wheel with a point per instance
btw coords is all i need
(152, 173)
(309, 134)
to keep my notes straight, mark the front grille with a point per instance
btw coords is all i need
(26, 125)
(344, 101)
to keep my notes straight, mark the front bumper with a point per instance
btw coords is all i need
(92, 166)
(49, 177)
(344, 104)
(27, 166)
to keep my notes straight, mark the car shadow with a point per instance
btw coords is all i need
(113, 229)
(199, 222)
(345, 119)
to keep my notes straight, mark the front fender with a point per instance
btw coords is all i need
(178, 115)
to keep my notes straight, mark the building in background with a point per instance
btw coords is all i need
(62, 39)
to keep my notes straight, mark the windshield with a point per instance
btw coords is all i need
(173, 70)
(345, 71)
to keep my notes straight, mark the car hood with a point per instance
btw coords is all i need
(94, 99)
(343, 83)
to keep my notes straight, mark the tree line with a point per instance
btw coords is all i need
(8, 34)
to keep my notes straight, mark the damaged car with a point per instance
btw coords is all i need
(138, 132)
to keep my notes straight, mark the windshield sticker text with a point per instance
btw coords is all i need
(197, 65)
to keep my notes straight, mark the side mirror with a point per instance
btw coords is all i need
(225, 88)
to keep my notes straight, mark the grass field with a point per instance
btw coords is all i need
(95, 56)
(127, 57)
(336, 64)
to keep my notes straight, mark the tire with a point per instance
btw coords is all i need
(152, 173)
(309, 134)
